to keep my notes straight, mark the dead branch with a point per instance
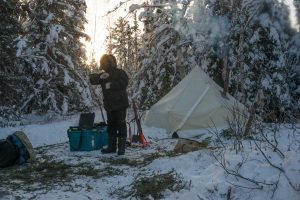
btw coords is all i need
(214, 130)
(258, 102)
(275, 147)
(236, 125)
(116, 7)
(234, 173)
(276, 167)
(246, 187)
(276, 130)
(295, 187)
(229, 193)
(226, 74)
(276, 185)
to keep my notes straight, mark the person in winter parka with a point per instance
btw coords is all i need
(114, 82)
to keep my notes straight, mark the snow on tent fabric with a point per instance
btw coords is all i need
(195, 103)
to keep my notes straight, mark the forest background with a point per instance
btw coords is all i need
(249, 47)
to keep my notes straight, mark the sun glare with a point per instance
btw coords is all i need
(293, 14)
(96, 28)
(99, 22)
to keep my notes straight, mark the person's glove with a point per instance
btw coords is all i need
(104, 75)
(107, 85)
(94, 79)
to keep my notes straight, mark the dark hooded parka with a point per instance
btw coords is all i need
(114, 86)
(114, 82)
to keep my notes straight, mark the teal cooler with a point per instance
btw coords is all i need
(87, 139)
(101, 137)
(74, 135)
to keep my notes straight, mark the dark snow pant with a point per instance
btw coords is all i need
(117, 128)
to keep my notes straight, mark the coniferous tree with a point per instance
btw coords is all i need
(124, 42)
(293, 62)
(253, 37)
(54, 57)
(260, 33)
(162, 51)
(158, 64)
(119, 42)
(10, 28)
(12, 83)
(136, 43)
(256, 46)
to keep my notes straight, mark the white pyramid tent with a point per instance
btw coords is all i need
(195, 103)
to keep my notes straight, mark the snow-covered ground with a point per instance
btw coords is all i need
(154, 172)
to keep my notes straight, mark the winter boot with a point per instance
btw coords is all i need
(121, 145)
(112, 142)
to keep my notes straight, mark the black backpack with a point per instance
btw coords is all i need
(8, 153)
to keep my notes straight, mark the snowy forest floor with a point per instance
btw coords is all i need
(154, 172)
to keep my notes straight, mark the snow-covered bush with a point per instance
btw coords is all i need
(50, 59)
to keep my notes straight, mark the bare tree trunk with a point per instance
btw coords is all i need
(179, 71)
(226, 74)
(229, 193)
(225, 6)
(258, 102)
